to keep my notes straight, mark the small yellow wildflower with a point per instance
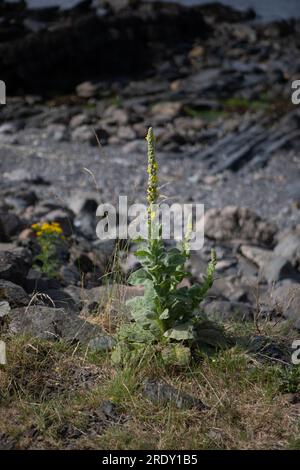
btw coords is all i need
(47, 229)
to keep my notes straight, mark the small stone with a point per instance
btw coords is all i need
(12, 293)
(196, 52)
(222, 310)
(4, 309)
(86, 89)
(83, 134)
(102, 343)
(10, 225)
(161, 392)
(258, 256)
(166, 111)
(14, 265)
(286, 300)
(278, 268)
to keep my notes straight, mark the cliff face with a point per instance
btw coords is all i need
(50, 48)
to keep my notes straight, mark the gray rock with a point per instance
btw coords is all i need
(278, 268)
(289, 247)
(234, 222)
(64, 218)
(61, 299)
(4, 310)
(83, 133)
(161, 392)
(57, 132)
(10, 225)
(69, 275)
(258, 256)
(21, 199)
(286, 300)
(51, 324)
(78, 120)
(14, 265)
(102, 343)
(12, 293)
(7, 442)
(36, 281)
(223, 310)
(111, 296)
(86, 220)
(76, 294)
(86, 89)
(268, 349)
(83, 201)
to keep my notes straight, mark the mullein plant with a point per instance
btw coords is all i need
(166, 319)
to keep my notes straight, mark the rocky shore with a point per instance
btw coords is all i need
(215, 85)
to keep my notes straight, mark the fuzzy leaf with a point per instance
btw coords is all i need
(181, 332)
(138, 309)
(164, 315)
(135, 333)
(138, 277)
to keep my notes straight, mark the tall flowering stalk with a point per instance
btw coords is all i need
(152, 190)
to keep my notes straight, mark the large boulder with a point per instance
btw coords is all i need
(278, 268)
(288, 246)
(14, 265)
(232, 222)
(10, 225)
(286, 300)
(13, 294)
(52, 324)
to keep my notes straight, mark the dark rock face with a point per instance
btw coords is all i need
(10, 225)
(85, 45)
(14, 266)
(14, 294)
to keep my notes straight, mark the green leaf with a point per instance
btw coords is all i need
(143, 254)
(181, 332)
(139, 309)
(135, 333)
(164, 315)
(138, 277)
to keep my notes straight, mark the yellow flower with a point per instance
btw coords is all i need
(47, 228)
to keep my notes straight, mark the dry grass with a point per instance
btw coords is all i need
(51, 396)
